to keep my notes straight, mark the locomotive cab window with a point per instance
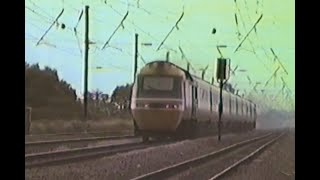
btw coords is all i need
(159, 86)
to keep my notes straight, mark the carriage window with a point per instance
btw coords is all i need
(245, 109)
(207, 95)
(216, 99)
(252, 113)
(203, 93)
(195, 92)
(210, 101)
(237, 106)
(247, 112)
(241, 107)
(230, 105)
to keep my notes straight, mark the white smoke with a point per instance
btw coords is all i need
(275, 119)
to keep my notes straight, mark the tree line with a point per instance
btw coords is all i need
(51, 97)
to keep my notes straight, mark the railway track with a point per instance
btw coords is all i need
(51, 142)
(41, 146)
(56, 136)
(72, 155)
(77, 133)
(53, 145)
(228, 169)
(216, 164)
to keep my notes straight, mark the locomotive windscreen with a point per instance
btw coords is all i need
(159, 86)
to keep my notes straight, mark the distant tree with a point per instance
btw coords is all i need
(228, 87)
(49, 97)
(35, 66)
(97, 94)
(96, 97)
(121, 95)
(53, 73)
(105, 97)
(91, 96)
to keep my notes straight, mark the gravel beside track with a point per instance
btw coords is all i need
(277, 162)
(63, 157)
(131, 164)
(212, 166)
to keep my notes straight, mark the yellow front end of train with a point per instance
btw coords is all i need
(157, 117)
(157, 99)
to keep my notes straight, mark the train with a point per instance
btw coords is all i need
(168, 101)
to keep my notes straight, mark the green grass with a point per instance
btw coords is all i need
(75, 126)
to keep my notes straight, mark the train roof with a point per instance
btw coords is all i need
(187, 74)
(194, 77)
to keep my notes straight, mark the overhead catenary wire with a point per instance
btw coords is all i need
(120, 24)
(138, 27)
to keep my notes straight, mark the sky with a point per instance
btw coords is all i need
(62, 49)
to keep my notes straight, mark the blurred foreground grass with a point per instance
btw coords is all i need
(115, 125)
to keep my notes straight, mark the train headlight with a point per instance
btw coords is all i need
(172, 106)
(157, 105)
(142, 105)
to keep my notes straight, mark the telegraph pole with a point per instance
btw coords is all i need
(86, 55)
(135, 65)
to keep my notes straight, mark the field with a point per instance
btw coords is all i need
(74, 126)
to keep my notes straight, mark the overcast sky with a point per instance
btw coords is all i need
(152, 20)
